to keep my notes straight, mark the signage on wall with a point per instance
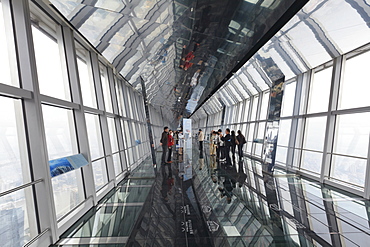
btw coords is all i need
(66, 164)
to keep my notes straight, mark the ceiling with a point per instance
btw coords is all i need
(321, 31)
(183, 49)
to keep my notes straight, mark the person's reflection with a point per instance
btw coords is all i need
(167, 181)
(242, 176)
(227, 189)
(201, 161)
(212, 168)
(228, 179)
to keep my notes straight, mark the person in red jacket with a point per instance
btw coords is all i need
(171, 142)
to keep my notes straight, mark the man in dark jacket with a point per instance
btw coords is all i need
(227, 140)
(164, 144)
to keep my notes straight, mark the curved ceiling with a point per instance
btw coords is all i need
(320, 31)
(183, 49)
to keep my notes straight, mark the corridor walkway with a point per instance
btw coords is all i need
(184, 205)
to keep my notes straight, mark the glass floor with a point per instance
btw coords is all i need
(183, 205)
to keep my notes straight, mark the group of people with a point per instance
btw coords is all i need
(221, 145)
(168, 140)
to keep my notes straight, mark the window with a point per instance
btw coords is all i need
(283, 140)
(61, 141)
(313, 144)
(114, 145)
(355, 84)
(13, 149)
(18, 219)
(265, 105)
(254, 108)
(318, 99)
(106, 88)
(260, 135)
(350, 148)
(68, 191)
(121, 108)
(288, 99)
(51, 74)
(7, 65)
(60, 132)
(17, 209)
(96, 150)
(86, 82)
(250, 137)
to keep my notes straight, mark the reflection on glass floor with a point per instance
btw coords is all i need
(218, 206)
(252, 208)
(110, 223)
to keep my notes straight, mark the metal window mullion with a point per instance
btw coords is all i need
(367, 174)
(14, 92)
(330, 121)
(34, 120)
(57, 102)
(80, 121)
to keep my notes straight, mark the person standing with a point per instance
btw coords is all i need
(233, 143)
(219, 145)
(240, 141)
(227, 140)
(212, 144)
(164, 144)
(171, 142)
(201, 139)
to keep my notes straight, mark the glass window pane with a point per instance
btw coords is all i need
(68, 191)
(314, 133)
(284, 132)
(265, 105)
(17, 217)
(261, 130)
(100, 173)
(119, 97)
(87, 86)
(128, 136)
(112, 134)
(117, 164)
(94, 136)
(349, 169)
(106, 88)
(128, 102)
(258, 149)
(355, 84)
(318, 99)
(250, 132)
(352, 134)
(288, 99)
(254, 108)
(49, 67)
(246, 111)
(60, 132)
(311, 161)
(124, 160)
(7, 65)
(13, 146)
(281, 153)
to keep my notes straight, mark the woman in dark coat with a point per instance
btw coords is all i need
(240, 141)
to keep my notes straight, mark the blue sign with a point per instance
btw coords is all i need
(138, 142)
(66, 164)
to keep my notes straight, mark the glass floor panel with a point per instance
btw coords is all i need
(129, 195)
(109, 221)
(223, 206)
